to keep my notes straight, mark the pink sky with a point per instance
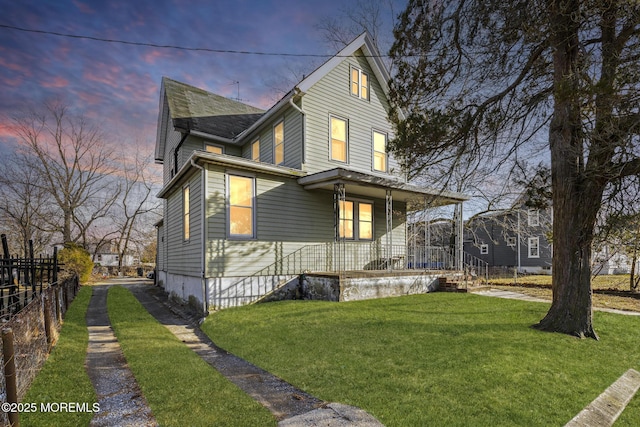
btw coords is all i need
(118, 85)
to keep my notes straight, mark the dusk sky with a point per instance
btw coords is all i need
(119, 84)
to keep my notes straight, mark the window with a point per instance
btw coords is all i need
(534, 247)
(511, 241)
(533, 217)
(174, 163)
(185, 213)
(210, 148)
(241, 208)
(379, 151)
(255, 151)
(484, 249)
(278, 143)
(356, 219)
(365, 221)
(338, 139)
(359, 83)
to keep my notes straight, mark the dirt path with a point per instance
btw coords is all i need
(120, 399)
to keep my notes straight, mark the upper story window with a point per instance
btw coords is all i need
(255, 151)
(210, 148)
(338, 139)
(359, 83)
(511, 241)
(533, 217)
(356, 220)
(240, 220)
(379, 151)
(484, 249)
(186, 231)
(278, 143)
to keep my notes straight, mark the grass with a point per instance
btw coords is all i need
(540, 286)
(63, 377)
(180, 387)
(437, 359)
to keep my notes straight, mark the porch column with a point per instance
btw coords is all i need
(389, 218)
(338, 199)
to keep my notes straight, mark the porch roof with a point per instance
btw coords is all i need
(363, 184)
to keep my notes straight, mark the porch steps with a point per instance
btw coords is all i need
(459, 284)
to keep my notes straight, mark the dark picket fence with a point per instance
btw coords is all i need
(23, 279)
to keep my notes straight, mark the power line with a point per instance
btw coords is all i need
(168, 46)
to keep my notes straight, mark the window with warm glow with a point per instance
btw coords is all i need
(365, 221)
(379, 151)
(213, 149)
(278, 143)
(338, 139)
(359, 83)
(185, 213)
(346, 219)
(241, 209)
(255, 151)
(356, 220)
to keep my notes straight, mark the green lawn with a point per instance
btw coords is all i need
(436, 359)
(182, 390)
(63, 377)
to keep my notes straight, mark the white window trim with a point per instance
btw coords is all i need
(346, 129)
(511, 241)
(530, 246)
(484, 249)
(360, 73)
(284, 157)
(228, 208)
(373, 151)
(533, 217)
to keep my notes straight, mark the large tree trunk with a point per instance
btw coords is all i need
(575, 202)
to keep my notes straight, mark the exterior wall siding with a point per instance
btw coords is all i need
(332, 96)
(287, 218)
(185, 256)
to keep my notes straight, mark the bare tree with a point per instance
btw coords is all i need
(24, 204)
(480, 81)
(135, 204)
(74, 165)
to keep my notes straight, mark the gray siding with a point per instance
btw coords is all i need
(287, 218)
(293, 137)
(185, 256)
(332, 96)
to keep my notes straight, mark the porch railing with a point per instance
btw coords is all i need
(339, 257)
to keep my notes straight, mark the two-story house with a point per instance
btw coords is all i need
(253, 198)
(514, 238)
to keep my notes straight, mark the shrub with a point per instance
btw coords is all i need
(76, 260)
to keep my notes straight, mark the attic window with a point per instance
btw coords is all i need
(210, 148)
(359, 83)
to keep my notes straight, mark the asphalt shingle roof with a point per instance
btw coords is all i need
(192, 108)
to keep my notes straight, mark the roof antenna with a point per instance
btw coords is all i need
(237, 98)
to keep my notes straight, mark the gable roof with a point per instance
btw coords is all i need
(193, 110)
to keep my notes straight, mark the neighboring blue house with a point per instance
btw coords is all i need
(255, 200)
(515, 238)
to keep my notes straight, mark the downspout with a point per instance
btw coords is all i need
(203, 231)
(304, 126)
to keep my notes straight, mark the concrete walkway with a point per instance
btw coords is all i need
(121, 401)
(499, 293)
